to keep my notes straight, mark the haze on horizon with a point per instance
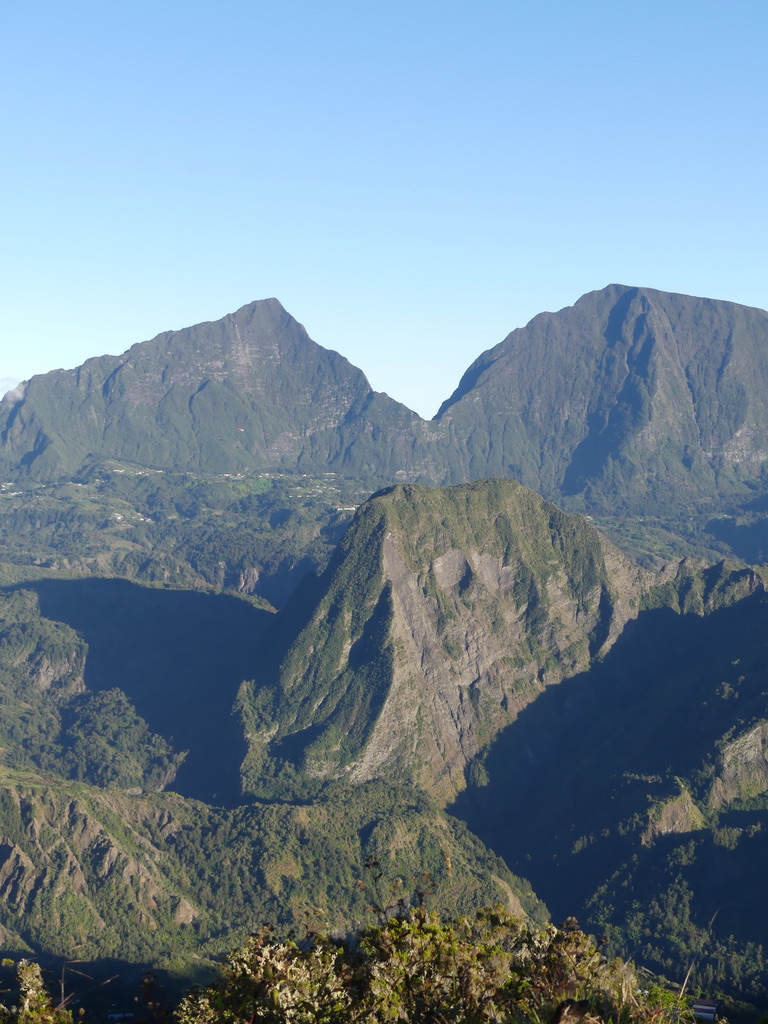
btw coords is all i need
(412, 182)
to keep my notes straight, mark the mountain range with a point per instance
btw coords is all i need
(633, 395)
(522, 660)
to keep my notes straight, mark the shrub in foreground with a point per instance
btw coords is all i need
(414, 968)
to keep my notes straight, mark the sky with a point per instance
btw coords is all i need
(412, 180)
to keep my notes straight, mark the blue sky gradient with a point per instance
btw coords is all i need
(411, 180)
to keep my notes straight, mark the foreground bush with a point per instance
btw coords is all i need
(412, 967)
(34, 1005)
(416, 968)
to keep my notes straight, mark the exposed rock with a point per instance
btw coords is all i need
(743, 768)
(680, 814)
(445, 613)
(185, 913)
(248, 580)
(18, 876)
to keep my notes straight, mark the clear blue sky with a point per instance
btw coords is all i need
(412, 180)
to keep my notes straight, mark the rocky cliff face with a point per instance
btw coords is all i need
(445, 613)
(742, 768)
(479, 628)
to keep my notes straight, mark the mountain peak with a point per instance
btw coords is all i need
(437, 596)
(633, 400)
(637, 398)
(250, 391)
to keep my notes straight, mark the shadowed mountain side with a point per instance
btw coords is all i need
(179, 657)
(575, 784)
(747, 534)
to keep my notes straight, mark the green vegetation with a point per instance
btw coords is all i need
(249, 394)
(411, 967)
(147, 729)
(256, 535)
(139, 877)
(155, 508)
(638, 407)
(634, 795)
(415, 967)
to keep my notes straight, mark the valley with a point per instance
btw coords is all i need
(259, 623)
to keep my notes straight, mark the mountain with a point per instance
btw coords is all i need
(640, 407)
(631, 400)
(123, 831)
(442, 615)
(251, 391)
(178, 759)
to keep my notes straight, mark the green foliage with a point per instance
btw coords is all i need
(257, 534)
(415, 967)
(268, 981)
(104, 742)
(33, 1003)
(49, 724)
(140, 877)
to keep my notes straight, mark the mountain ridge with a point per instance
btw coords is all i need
(419, 631)
(637, 369)
(632, 400)
(245, 392)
